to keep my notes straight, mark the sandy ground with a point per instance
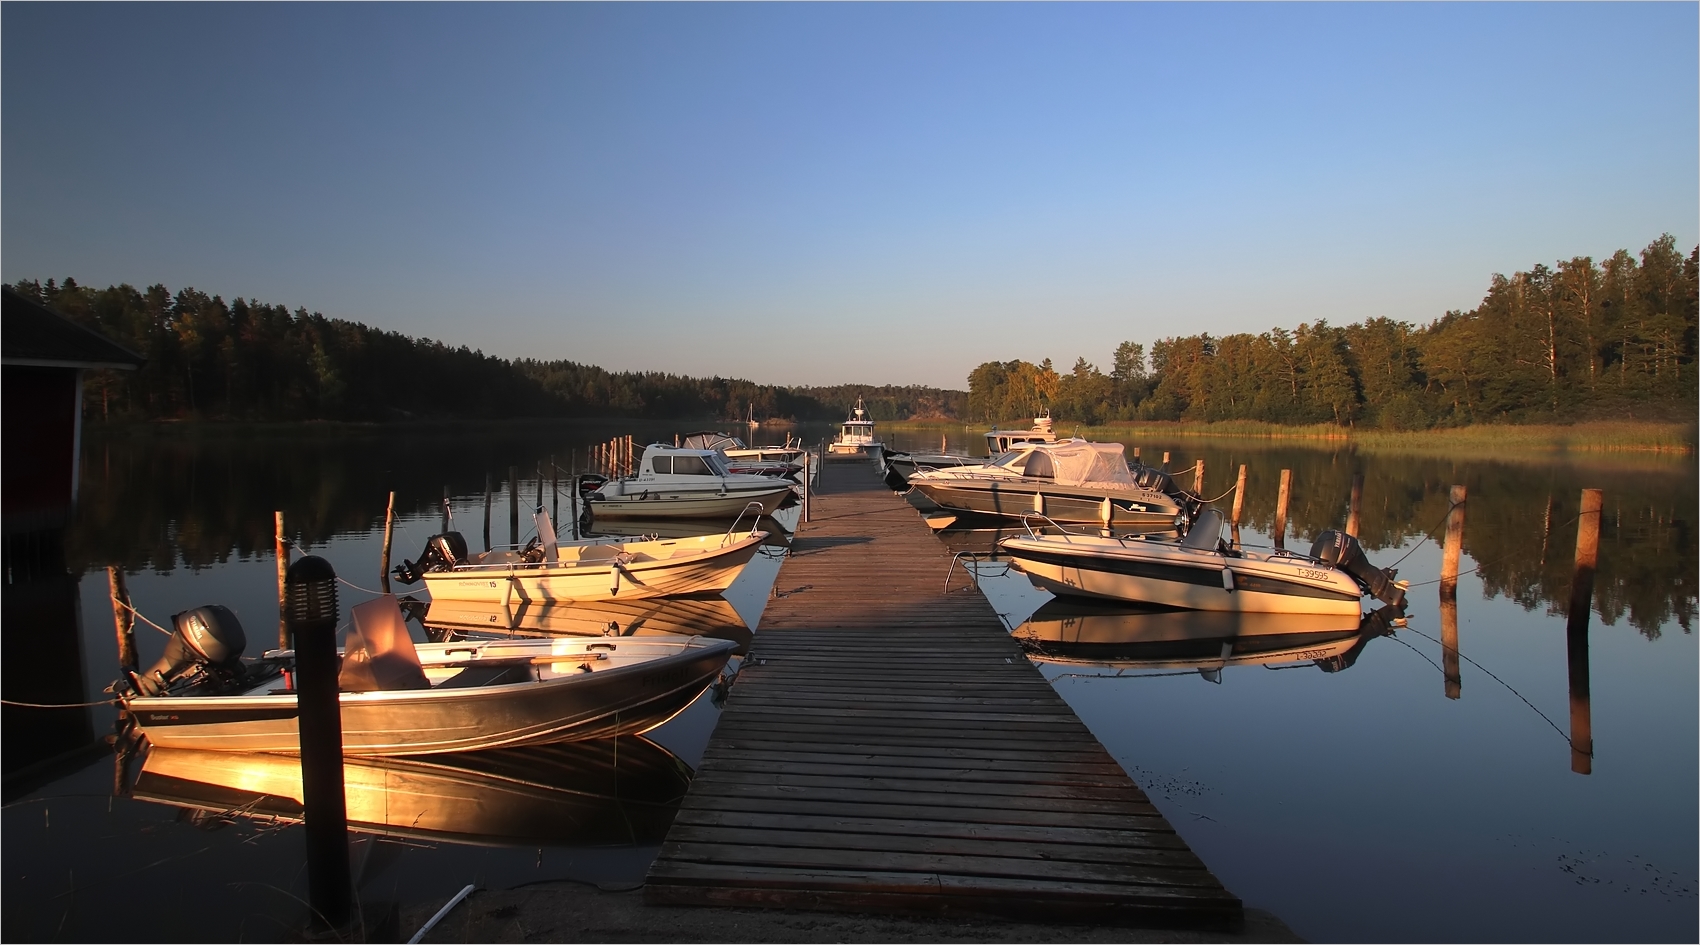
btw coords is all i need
(569, 912)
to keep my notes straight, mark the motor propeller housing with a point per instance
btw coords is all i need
(208, 636)
(442, 552)
(1340, 550)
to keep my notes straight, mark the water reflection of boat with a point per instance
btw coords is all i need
(709, 617)
(1202, 573)
(1123, 637)
(602, 792)
(399, 698)
(774, 533)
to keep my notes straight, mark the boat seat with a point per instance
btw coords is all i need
(489, 673)
(501, 557)
(598, 552)
(378, 653)
(1205, 533)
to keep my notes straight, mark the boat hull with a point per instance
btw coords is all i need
(1170, 576)
(1016, 498)
(626, 699)
(671, 504)
(698, 566)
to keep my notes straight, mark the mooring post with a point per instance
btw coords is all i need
(1136, 454)
(554, 490)
(513, 506)
(1576, 631)
(486, 510)
(1354, 507)
(1165, 460)
(1198, 479)
(572, 490)
(1449, 555)
(539, 504)
(1239, 504)
(389, 533)
(312, 615)
(445, 508)
(806, 485)
(1281, 508)
(282, 584)
(123, 618)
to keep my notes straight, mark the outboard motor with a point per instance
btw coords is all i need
(1148, 477)
(441, 553)
(1340, 550)
(205, 638)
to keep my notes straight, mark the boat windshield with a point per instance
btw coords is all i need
(687, 464)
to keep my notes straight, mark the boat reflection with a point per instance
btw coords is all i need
(980, 535)
(609, 791)
(778, 535)
(1129, 637)
(706, 616)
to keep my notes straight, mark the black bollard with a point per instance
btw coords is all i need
(312, 616)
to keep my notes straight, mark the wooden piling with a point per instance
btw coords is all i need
(1239, 506)
(554, 490)
(1198, 478)
(1136, 454)
(1449, 556)
(487, 503)
(513, 506)
(807, 486)
(446, 517)
(539, 489)
(1576, 631)
(1165, 460)
(123, 618)
(389, 535)
(572, 490)
(1281, 499)
(282, 584)
(1354, 507)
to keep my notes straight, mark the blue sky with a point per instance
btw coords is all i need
(825, 193)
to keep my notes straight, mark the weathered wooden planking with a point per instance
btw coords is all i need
(887, 747)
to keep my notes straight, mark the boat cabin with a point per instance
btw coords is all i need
(999, 442)
(1070, 462)
(857, 433)
(666, 462)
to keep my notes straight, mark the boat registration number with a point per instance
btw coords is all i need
(1312, 574)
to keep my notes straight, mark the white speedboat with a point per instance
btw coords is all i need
(591, 569)
(856, 435)
(899, 465)
(589, 793)
(402, 698)
(675, 482)
(1078, 633)
(1200, 572)
(1067, 481)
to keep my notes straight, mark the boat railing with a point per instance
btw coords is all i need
(753, 524)
(1026, 523)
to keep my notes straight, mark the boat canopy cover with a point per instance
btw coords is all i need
(709, 440)
(1084, 463)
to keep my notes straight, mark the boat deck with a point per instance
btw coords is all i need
(887, 748)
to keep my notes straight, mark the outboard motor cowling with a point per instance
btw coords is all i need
(208, 636)
(441, 553)
(1340, 550)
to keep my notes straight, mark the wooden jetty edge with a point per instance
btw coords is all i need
(888, 748)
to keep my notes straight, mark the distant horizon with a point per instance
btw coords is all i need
(816, 195)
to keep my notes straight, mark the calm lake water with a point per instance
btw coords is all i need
(1378, 800)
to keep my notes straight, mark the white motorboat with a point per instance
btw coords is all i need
(1071, 480)
(402, 698)
(675, 482)
(1078, 633)
(856, 435)
(590, 569)
(1200, 572)
(743, 460)
(899, 465)
(597, 792)
(999, 442)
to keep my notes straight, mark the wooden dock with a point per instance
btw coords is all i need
(888, 748)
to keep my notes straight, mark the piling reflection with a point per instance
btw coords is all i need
(612, 791)
(708, 616)
(1126, 637)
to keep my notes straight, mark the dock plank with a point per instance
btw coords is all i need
(887, 747)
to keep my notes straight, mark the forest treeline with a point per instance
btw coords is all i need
(249, 360)
(1576, 340)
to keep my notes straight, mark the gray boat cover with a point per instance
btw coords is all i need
(1078, 462)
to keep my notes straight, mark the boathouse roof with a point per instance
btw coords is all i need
(31, 334)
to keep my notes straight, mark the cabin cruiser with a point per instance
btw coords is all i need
(899, 465)
(679, 482)
(1072, 633)
(402, 698)
(1073, 480)
(999, 442)
(1201, 572)
(857, 434)
(552, 571)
